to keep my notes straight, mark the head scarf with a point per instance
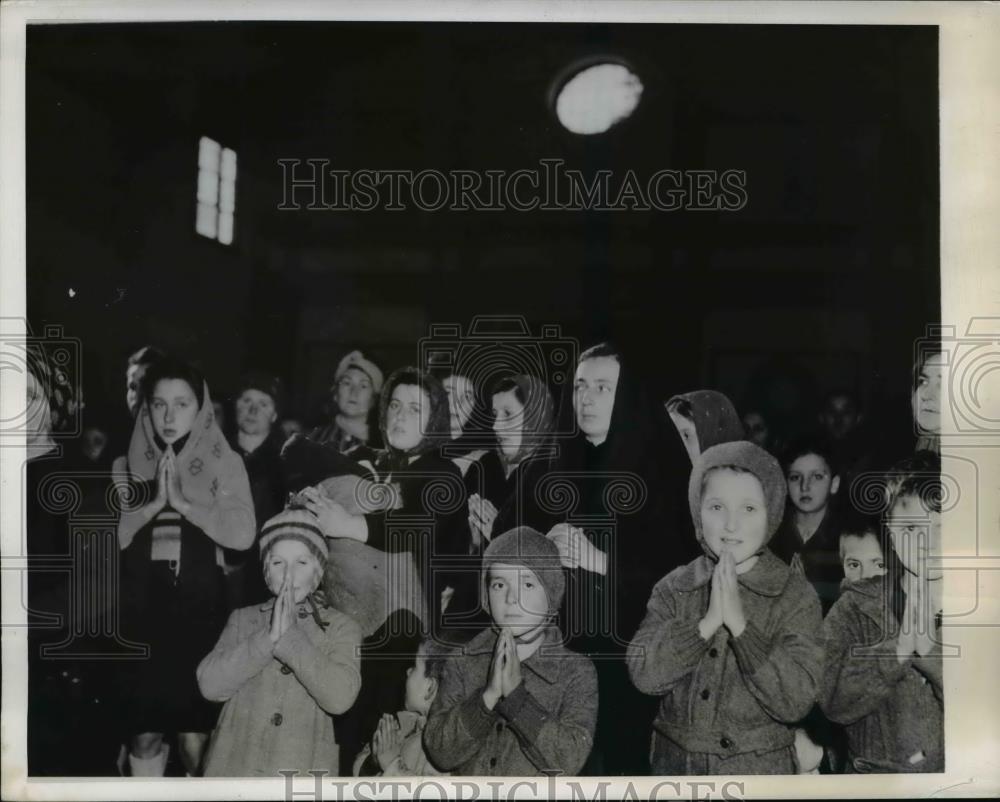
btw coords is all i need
(355, 359)
(438, 429)
(538, 419)
(206, 465)
(714, 416)
(749, 457)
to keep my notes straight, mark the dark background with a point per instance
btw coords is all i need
(825, 278)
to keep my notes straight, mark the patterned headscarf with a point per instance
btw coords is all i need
(209, 470)
(713, 414)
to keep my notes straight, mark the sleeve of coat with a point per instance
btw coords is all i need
(855, 684)
(230, 520)
(783, 670)
(665, 648)
(556, 739)
(234, 661)
(459, 720)
(329, 671)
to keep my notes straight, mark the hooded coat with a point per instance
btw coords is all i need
(714, 416)
(728, 705)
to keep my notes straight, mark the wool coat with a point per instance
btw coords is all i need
(728, 704)
(546, 723)
(893, 712)
(279, 696)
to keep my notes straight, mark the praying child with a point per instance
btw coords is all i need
(514, 700)
(732, 640)
(861, 550)
(397, 748)
(282, 667)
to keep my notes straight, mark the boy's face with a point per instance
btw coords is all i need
(733, 514)
(294, 560)
(810, 484)
(840, 417)
(756, 429)
(689, 434)
(420, 689)
(916, 535)
(862, 556)
(594, 389)
(516, 599)
(255, 412)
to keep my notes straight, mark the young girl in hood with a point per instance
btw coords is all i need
(189, 496)
(282, 667)
(732, 641)
(704, 418)
(883, 675)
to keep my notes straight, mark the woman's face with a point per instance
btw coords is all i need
(927, 395)
(354, 393)
(292, 560)
(508, 422)
(406, 417)
(689, 434)
(594, 389)
(461, 400)
(173, 408)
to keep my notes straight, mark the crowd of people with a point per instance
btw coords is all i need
(514, 579)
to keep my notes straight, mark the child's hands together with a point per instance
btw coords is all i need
(283, 612)
(387, 741)
(724, 605)
(510, 668)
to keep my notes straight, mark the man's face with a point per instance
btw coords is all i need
(840, 417)
(255, 412)
(810, 483)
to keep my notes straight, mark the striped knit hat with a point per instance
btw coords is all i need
(295, 523)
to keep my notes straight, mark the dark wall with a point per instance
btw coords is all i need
(832, 265)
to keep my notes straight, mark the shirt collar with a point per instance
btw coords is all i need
(767, 578)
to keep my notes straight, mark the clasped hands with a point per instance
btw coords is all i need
(724, 605)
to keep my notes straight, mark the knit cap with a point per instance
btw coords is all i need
(524, 546)
(295, 523)
(356, 359)
(749, 457)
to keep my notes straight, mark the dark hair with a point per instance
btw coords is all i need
(919, 475)
(924, 352)
(435, 656)
(146, 355)
(599, 350)
(439, 419)
(170, 367)
(843, 392)
(857, 524)
(507, 384)
(266, 383)
(809, 444)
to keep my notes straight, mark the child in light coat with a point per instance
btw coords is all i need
(731, 641)
(282, 667)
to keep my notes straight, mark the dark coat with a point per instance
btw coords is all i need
(546, 724)
(892, 711)
(818, 557)
(728, 704)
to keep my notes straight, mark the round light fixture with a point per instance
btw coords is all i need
(597, 97)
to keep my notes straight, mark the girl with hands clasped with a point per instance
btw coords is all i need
(284, 667)
(883, 669)
(731, 641)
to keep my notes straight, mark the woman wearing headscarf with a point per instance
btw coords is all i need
(614, 526)
(704, 418)
(356, 387)
(386, 568)
(188, 498)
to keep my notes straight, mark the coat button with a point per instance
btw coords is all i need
(713, 652)
(499, 726)
(725, 743)
(286, 670)
(276, 719)
(493, 762)
(705, 694)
